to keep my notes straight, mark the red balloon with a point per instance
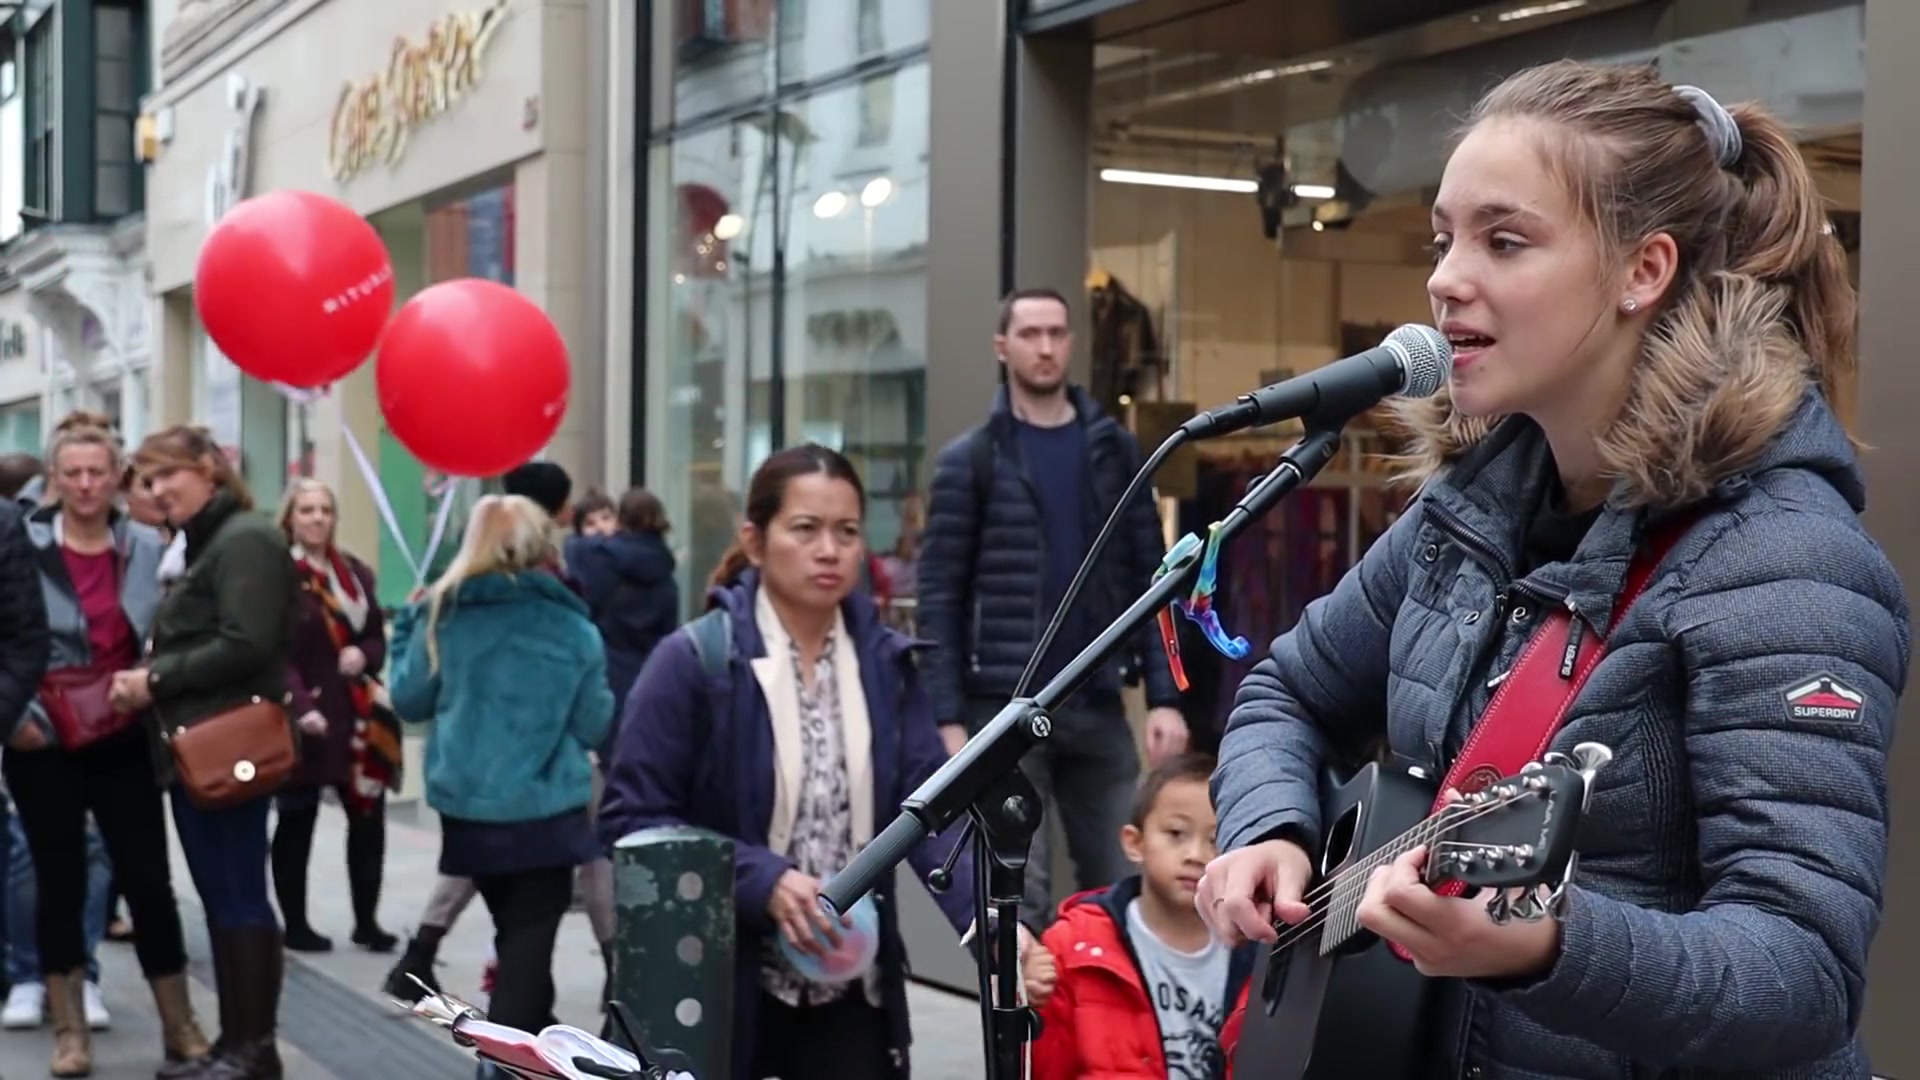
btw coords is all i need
(294, 288)
(473, 378)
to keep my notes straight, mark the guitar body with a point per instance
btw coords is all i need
(1360, 1012)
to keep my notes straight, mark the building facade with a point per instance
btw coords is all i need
(828, 195)
(74, 329)
(462, 129)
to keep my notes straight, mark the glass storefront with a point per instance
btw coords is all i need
(438, 240)
(787, 264)
(20, 428)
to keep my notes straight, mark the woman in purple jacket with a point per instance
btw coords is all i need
(807, 743)
(350, 739)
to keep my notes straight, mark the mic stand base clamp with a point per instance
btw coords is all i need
(1005, 816)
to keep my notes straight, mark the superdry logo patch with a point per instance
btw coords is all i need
(1825, 699)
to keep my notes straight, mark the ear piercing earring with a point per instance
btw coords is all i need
(1630, 305)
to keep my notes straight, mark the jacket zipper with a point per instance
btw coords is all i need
(975, 652)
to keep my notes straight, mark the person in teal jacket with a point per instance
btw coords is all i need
(503, 659)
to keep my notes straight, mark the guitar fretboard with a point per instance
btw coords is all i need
(1342, 904)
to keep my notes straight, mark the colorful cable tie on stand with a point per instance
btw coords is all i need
(1198, 606)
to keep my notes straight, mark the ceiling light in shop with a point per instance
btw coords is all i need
(1313, 191)
(878, 190)
(1534, 11)
(832, 204)
(729, 226)
(1178, 180)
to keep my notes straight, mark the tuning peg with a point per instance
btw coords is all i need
(1527, 907)
(1589, 758)
(1498, 909)
(1531, 767)
(1557, 900)
(1557, 758)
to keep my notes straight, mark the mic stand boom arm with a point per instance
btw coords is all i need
(984, 779)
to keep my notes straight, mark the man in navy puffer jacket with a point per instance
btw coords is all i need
(1015, 506)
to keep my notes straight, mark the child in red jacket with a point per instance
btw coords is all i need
(1130, 982)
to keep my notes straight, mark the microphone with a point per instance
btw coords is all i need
(1412, 362)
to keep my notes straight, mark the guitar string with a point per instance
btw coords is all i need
(1320, 899)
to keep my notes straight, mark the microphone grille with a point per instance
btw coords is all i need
(1426, 356)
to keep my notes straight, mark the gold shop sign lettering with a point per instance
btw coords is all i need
(423, 79)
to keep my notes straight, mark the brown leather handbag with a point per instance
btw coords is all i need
(244, 753)
(78, 704)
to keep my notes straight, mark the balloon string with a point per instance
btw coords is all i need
(381, 503)
(439, 533)
(422, 565)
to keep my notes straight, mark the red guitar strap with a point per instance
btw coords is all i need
(1532, 701)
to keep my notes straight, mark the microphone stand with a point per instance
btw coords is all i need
(984, 780)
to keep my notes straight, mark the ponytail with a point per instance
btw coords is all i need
(733, 563)
(1778, 232)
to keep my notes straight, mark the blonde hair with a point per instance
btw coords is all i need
(84, 427)
(185, 446)
(302, 485)
(81, 427)
(506, 534)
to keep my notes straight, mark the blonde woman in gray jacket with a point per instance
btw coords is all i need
(99, 575)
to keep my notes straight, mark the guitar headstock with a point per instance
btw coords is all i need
(1517, 832)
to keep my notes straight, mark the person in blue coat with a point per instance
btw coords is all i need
(503, 660)
(799, 748)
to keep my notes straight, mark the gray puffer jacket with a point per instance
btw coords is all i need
(140, 547)
(1731, 861)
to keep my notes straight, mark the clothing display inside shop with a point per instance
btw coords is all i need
(1269, 574)
(1126, 347)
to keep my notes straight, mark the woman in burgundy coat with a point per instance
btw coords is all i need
(351, 739)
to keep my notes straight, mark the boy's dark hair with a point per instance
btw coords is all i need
(546, 483)
(641, 511)
(588, 505)
(1017, 295)
(1184, 767)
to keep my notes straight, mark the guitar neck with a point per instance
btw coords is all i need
(1350, 885)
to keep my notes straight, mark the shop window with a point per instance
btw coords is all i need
(20, 428)
(43, 148)
(789, 304)
(116, 105)
(12, 130)
(876, 111)
(870, 36)
(467, 236)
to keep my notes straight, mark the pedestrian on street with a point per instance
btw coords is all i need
(350, 738)
(1015, 506)
(222, 638)
(793, 720)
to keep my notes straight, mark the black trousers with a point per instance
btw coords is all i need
(52, 791)
(527, 908)
(299, 810)
(845, 1039)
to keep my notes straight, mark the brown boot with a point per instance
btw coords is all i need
(179, 1031)
(72, 1051)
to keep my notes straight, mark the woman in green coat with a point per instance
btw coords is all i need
(221, 637)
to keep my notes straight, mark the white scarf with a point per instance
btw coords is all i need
(173, 563)
(353, 607)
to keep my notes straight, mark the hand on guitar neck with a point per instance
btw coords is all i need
(1513, 840)
(1449, 936)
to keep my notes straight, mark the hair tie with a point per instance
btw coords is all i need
(1723, 133)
